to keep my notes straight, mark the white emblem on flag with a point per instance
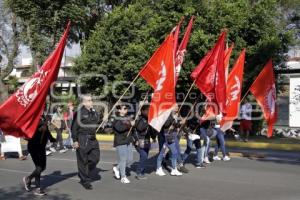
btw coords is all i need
(179, 61)
(271, 98)
(161, 80)
(28, 92)
(235, 89)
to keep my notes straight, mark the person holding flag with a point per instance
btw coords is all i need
(170, 135)
(143, 134)
(122, 142)
(220, 140)
(20, 114)
(37, 148)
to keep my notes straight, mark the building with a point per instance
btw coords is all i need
(65, 83)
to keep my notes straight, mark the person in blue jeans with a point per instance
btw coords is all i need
(220, 141)
(200, 144)
(142, 135)
(170, 135)
(203, 134)
(123, 143)
(180, 161)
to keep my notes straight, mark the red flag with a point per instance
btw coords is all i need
(234, 88)
(226, 60)
(264, 90)
(182, 48)
(209, 75)
(159, 71)
(176, 31)
(20, 113)
(152, 70)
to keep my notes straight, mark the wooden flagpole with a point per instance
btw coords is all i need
(105, 118)
(137, 114)
(183, 102)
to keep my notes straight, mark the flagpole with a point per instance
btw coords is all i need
(109, 113)
(192, 108)
(183, 102)
(187, 95)
(138, 112)
(245, 95)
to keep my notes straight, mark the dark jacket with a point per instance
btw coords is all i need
(170, 129)
(41, 136)
(121, 126)
(193, 125)
(85, 123)
(143, 130)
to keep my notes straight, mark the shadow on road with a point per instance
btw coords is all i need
(18, 192)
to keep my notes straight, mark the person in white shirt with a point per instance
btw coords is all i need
(245, 124)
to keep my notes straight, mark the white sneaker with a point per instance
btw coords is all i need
(125, 180)
(175, 172)
(216, 158)
(116, 172)
(160, 172)
(63, 150)
(206, 160)
(226, 158)
(48, 153)
(52, 149)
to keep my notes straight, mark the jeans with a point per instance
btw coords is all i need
(203, 134)
(59, 138)
(143, 157)
(200, 150)
(173, 149)
(220, 142)
(125, 157)
(161, 140)
(178, 149)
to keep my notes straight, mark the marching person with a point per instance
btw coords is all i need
(37, 149)
(122, 142)
(83, 130)
(200, 142)
(170, 143)
(220, 144)
(142, 140)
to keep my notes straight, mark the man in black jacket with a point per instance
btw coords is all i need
(83, 129)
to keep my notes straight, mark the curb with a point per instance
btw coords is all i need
(231, 144)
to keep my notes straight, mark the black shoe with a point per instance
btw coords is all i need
(183, 169)
(87, 186)
(27, 183)
(200, 166)
(141, 177)
(39, 192)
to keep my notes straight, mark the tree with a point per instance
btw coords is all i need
(124, 39)
(42, 22)
(9, 45)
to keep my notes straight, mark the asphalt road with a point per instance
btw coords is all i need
(241, 178)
